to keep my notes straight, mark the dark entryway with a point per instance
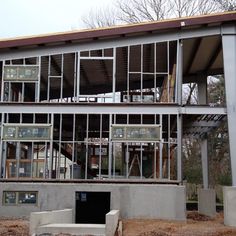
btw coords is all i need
(92, 207)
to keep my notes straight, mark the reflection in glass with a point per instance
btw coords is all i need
(9, 132)
(118, 132)
(9, 198)
(27, 198)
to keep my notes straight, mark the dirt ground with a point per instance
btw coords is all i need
(196, 225)
(14, 227)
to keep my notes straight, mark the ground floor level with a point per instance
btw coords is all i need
(91, 201)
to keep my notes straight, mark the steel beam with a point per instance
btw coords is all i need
(203, 110)
(75, 108)
(104, 44)
(229, 56)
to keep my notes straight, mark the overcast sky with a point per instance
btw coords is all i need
(30, 17)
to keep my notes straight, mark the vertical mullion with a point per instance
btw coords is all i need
(160, 152)
(141, 152)
(45, 160)
(59, 151)
(127, 151)
(73, 148)
(23, 92)
(32, 153)
(168, 72)
(62, 75)
(4, 146)
(37, 97)
(110, 147)
(86, 158)
(114, 75)
(141, 78)
(10, 92)
(155, 153)
(50, 165)
(49, 73)
(141, 161)
(168, 147)
(78, 76)
(114, 152)
(155, 74)
(100, 151)
(75, 79)
(3, 83)
(1, 149)
(128, 73)
(31, 161)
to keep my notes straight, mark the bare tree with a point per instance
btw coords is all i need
(226, 5)
(101, 18)
(135, 11)
(182, 8)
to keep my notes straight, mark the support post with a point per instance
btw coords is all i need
(179, 117)
(179, 148)
(202, 100)
(204, 156)
(229, 56)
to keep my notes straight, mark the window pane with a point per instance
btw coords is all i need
(9, 197)
(118, 133)
(27, 198)
(34, 133)
(9, 132)
(21, 73)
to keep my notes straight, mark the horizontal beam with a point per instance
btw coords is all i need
(107, 108)
(112, 43)
(203, 110)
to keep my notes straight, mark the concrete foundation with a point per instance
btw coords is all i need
(229, 206)
(49, 217)
(133, 200)
(207, 202)
(112, 219)
(72, 229)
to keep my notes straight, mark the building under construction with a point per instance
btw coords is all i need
(95, 119)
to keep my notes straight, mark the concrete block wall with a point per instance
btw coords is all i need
(153, 201)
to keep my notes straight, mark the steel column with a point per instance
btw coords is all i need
(179, 147)
(229, 56)
(204, 157)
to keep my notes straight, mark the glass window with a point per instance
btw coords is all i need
(118, 133)
(15, 197)
(136, 132)
(9, 197)
(26, 132)
(21, 73)
(9, 132)
(34, 133)
(27, 197)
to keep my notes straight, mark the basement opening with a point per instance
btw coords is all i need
(92, 207)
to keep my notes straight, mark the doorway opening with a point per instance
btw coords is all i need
(92, 207)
